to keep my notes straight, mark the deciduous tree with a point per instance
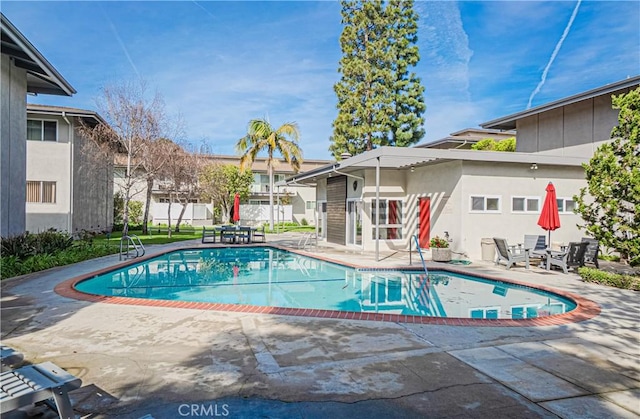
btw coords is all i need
(133, 122)
(220, 182)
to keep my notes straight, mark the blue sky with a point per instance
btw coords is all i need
(219, 64)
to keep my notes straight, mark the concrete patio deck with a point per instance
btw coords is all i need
(158, 362)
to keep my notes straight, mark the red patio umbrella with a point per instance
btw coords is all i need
(550, 217)
(236, 208)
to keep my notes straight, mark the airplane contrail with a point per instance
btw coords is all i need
(203, 8)
(126, 52)
(555, 52)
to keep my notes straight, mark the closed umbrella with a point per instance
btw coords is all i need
(550, 217)
(236, 208)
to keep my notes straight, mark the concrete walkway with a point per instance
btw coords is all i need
(156, 362)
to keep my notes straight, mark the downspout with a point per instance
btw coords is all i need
(70, 217)
(461, 145)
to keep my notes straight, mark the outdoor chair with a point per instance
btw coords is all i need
(38, 383)
(260, 235)
(228, 234)
(536, 245)
(591, 254)
(571, 258)
(208, 236)
(509, 254)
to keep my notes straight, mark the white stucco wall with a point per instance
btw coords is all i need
(506, 181)
(51, 162)
(450, 186)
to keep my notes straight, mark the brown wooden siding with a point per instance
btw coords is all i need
(336, 209)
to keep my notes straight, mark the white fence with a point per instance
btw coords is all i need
(202, 214)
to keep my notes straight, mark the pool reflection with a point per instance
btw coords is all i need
(264, 276)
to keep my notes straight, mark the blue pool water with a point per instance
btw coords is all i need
(264, 276)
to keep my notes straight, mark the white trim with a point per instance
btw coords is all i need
(564, 205)
(485, 210)
(385, 224)
(42, 121)
(354, 245)
(526, 199)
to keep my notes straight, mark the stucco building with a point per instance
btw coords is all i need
(69, 180)
(466, 195)
(24, 70)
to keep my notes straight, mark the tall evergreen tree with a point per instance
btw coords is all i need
(379, 101)
(408, 91)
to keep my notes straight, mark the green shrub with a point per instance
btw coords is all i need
(611, 279)
(11, 266)
(19, 246)
(304, 222)
(51, 241)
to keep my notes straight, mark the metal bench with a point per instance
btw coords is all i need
(37, 383)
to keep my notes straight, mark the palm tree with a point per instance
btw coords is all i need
(261, 136)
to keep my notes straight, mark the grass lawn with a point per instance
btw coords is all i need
(155, 237)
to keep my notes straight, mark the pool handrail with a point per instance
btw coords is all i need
(132, 241)
(424, 265)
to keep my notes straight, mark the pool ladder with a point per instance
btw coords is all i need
(129, 245)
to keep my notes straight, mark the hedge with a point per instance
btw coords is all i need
(631, 282)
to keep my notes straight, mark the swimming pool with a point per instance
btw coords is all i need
(271, 277)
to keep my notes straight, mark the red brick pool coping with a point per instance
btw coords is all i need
(585, 309)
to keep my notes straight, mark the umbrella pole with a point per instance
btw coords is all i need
(549, 239)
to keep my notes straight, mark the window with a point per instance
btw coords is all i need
(524, 312)
(525, 204)
(390, 219)
(311, 205)
(485, 204)
(484, 313)
(42, 130)
(41, 192)
(566, 205)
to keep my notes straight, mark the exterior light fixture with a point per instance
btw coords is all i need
(534, 166)
(413, 169)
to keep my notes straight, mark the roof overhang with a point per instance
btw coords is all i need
(509, 122)
(407, 157)
(64, 111)
(42, 77)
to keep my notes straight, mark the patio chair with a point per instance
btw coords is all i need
(260, 235)
(509, 254)
(208, 236)
(536, 245)
(591, 254)
(228, 234)
(37, 383)
(571, 258)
